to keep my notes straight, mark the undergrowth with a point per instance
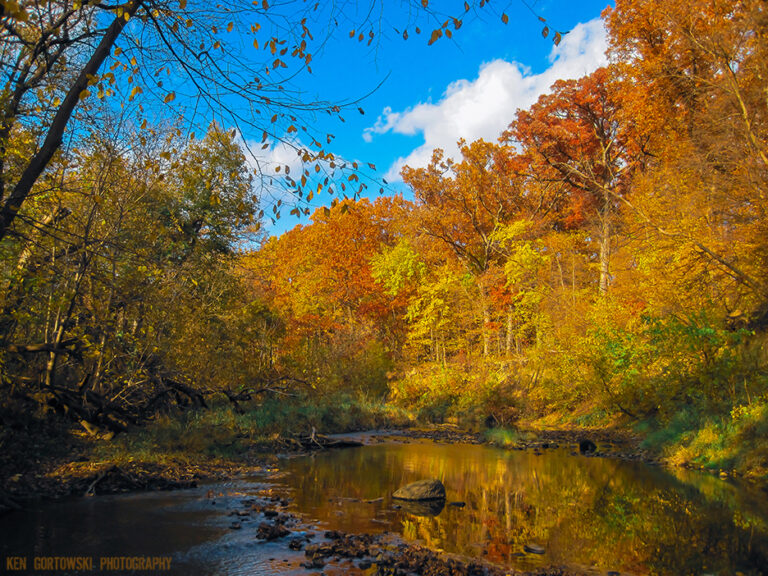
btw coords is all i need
(221, 432)
(735, 441)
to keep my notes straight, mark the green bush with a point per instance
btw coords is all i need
(738, 440)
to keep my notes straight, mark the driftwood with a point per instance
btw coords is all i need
(314, 441)
(115, 409)
(90, 490)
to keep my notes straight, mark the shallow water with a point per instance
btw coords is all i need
(604, 513)
(186, 525)
(594, 513)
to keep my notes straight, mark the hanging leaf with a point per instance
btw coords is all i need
(436, 34)
(505, 18)
(545, 31)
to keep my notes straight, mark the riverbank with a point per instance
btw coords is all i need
(215, 445)
(51, 457)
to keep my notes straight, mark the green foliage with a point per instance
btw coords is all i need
(717, 442)
(655, 365)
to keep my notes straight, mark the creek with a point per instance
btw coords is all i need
(594, 514)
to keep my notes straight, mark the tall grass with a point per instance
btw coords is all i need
(221, 432)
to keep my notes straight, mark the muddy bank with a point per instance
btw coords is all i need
(85, 478)
(51, 463)
(608, 442)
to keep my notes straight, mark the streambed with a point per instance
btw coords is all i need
(597, 515)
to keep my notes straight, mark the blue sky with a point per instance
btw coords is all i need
(466, 87)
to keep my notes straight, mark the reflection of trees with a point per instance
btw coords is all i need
(592, 512)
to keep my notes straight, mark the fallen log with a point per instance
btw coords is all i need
(315, 441)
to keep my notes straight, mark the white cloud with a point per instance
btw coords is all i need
(484, 107)
(265, 160)
(263, 163)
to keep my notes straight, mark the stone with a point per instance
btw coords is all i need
(296, 544)
(586, 446)
(534, 549)
(421, 490)
(271, 531)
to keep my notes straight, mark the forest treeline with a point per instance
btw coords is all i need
(604, 259)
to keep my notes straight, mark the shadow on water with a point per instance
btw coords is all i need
(588, 512)
(187, 526)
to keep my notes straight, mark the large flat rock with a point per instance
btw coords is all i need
(421, 490)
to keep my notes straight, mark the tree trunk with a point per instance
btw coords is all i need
(510, 332)
(605, 245)
(486, 322)
(55, 134)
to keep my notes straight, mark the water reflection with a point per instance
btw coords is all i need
(589, 512)
(586, 512)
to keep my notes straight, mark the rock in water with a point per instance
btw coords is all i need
(534, 549)
(421, 490)
(587, 447)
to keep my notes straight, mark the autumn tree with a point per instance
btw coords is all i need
(318, 277)
(461, 204)
(235, 62)
(125, 304)
(573, 135)
(690, 79)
